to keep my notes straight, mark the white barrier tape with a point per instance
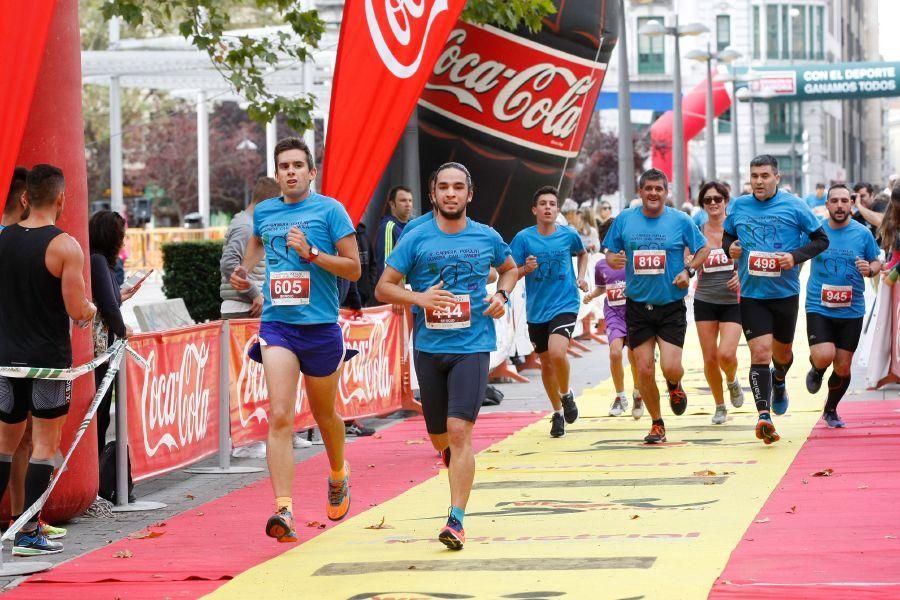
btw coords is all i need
(116, 355)
(61, 374)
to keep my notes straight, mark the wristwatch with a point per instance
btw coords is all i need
(503, 293)
(313, 254)
(690, 271)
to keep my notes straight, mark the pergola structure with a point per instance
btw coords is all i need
(173, 65)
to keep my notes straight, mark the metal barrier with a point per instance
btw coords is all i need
(144, 246)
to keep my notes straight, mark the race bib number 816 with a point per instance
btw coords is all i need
(649, 262)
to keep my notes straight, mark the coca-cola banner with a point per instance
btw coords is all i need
(173, 413)
(386, 51)
(514, 107)
(375, 382)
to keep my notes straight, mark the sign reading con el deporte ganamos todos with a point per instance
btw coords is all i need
(827, 81)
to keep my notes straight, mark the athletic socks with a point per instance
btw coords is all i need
(458, 513)
(837, 387)
(5, 466)
(659, 422)
(559, 412)
(780, 370)
(761, 385)
(339, 475)
(37, 479)
(284, 502)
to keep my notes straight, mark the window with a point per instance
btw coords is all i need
(772, 40)
(785, 28)
(798, 31)
(819, 34)
(651, 50)
(723, 32)
(779, 127)
(724, 122)
(756, 33)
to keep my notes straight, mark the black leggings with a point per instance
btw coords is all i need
(103, 409)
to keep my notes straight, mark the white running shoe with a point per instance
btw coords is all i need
(737, 393)
(721, 415)
(619, 406)
(637, 409)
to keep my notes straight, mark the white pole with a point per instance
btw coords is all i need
(678, 173)
(116, 193)
(203, 157)
(271, 140)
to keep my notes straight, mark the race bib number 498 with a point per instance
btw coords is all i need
(649, 262)
(289, 288)
(763, 264)
(458, 316)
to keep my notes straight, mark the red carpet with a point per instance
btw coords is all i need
(835, 537)
(201, 549)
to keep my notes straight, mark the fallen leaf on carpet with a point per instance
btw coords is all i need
(144, 535)
(190, 496)
(412, 567)
(766, 520)
(862, 487)
(380, 525)
(159, 524)
(123, 554)
(414, 442)
(371, 466)
(633, 517)
(705, 473)
(823, 473)
(792, 510)
(315, 524)
(491, 468)
(200, 514)
(491, 450)
(890, 537)
(804, 481)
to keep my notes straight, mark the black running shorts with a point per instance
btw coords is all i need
(843, 333)
(43, 398)
(723, 313)
(664, 321)
(777, 317)
(451, 385)
(562, 324)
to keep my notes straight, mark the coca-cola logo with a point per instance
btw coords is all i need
(400, 31)
(175, 403)
(515, 89)
(368, 376)
(252, 394)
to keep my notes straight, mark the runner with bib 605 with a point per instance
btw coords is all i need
(770, 232)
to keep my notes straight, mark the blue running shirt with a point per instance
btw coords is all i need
(654, 250)
(297, 291)
(420, 220)
(550, 289)
(462, 261)
(836, 287)
(781, 224)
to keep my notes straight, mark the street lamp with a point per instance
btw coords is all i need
(745, 95)
(655, 29)
(708, 56)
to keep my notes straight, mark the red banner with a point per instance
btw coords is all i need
(375, 382)
(535, 98)
(173, 406)
(386, 51)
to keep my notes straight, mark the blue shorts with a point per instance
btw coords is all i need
(319, 348)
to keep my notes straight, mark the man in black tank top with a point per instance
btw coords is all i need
(43, 286)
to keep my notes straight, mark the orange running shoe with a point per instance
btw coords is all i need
(678, 400)
(657, 434)
(281, 526)
(765, 430)
(453, 535)
(339, 496)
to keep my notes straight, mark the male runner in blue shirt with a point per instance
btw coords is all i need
(771, 232)
(650, 242)
(835, 303)
(447, 262)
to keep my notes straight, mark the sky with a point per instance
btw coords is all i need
(888, 17)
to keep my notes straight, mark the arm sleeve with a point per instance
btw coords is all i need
(818, 243)
(341, 225)
(599, 277)
(232, 255)
(105, 295)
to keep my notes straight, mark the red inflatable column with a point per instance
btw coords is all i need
(55, 134)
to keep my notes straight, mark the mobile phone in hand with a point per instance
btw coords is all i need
(135, 279)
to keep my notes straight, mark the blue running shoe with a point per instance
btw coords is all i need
(780, 398)
(453, 535)
(34, 543)
(832, 419)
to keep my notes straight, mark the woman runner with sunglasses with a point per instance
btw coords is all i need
(717, 313)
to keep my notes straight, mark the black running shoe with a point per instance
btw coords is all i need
(557, 426)
(814, 380)
(678, 400)
(570, 409)
(657, 434)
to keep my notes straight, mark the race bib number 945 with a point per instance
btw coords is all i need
(458, 316)
(763, 264)
(837, 296)
(615, 293)
(649, 262)
(289, 288)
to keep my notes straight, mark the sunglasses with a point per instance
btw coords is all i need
(714, 199)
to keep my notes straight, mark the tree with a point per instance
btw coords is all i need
(243, 60)
(597, 167)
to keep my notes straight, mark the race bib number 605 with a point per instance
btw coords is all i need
(763, 264)
(649, 262)
(289, 288)
(458, 316)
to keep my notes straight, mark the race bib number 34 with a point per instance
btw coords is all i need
(764, 264)
(717, 261)
(837, 296)
(458, 316)
(649, 262)
(615, 293)
(289, 288)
